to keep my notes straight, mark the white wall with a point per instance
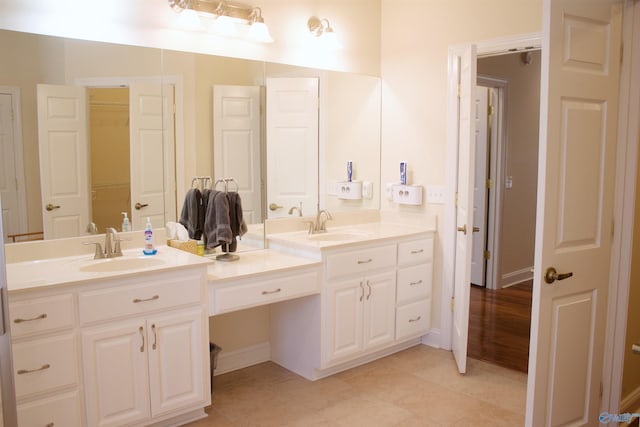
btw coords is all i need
(152, 23)
(415, 38)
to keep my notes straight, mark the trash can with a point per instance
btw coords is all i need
(213, 359)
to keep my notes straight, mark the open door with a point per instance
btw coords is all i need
(464, 210)
(236, 144)
(64, 160)
(578, 121)
(481, 117)
(292, 144)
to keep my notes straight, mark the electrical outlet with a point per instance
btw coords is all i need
(435, 194)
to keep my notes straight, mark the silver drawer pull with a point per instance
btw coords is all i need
(42, 316)
(415, 319)
(415, 283)
(153, 298)
(28, 371)
(271, 292)
(418, 251)
(365, 262)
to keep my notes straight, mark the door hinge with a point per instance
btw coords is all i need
(601, 390)
(489, 183)
(490, 110)
(486, 255)
(452, 298)
(456, 200)
(458, 89)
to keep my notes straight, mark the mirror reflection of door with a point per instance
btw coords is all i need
(236, 144)
(292, 133)
(104, 151)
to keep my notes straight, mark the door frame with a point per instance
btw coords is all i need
(486, 47)
(497, 162)
(18, 154)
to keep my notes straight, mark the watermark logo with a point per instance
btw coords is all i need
(606, 418)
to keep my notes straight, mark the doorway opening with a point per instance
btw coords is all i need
(507, 103)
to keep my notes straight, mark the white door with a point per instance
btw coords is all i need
(379, 310)
(292, 145)
(8, 181)
(152, 165)
(580, 66)
(64, 160)
(116, 374)
(481, 114)
(464, 211)
(236, 144)
(176, 375)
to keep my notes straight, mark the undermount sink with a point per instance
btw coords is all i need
(121, 264)
(338, 236)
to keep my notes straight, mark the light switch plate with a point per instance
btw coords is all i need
(435, 194)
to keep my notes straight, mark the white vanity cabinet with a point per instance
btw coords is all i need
(46, 362)
(415, 271)
(359, 301)
(144, 349)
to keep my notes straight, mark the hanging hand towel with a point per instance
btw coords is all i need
(190, 215)
(217, 227)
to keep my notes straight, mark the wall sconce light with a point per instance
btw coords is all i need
(228, 18)
(321, 28)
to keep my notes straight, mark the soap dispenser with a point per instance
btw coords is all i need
(125, 222)
(149, 244)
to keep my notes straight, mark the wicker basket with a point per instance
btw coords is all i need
(188, 246)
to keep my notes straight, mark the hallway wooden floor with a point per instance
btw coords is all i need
(499, 325)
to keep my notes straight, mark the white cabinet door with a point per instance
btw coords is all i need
(176, 366)
(116, 373)
(344, 314)
(379, 309)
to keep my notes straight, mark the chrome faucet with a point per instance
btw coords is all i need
(296, 208)
(320, 225)
(111, 243)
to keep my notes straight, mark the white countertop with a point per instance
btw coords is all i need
(346, 236)
(33, 274)
(257, 262)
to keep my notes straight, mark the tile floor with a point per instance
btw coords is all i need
(416, 387)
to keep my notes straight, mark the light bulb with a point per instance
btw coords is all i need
(259, 32)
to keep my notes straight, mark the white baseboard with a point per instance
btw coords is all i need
(631, 402)
(241, 358)
(432, 339)
(515, 277)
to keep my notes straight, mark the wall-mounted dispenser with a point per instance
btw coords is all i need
(407, 194)
(349, 190)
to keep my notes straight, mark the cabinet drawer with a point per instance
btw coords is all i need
(37, 315)
(264, 292)
(413, 319)
(60, 410)
(123, 301)
(45, 364)
(360, 261)
(414, 283)
(415, 251)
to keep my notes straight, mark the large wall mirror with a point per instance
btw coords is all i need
(247, 120)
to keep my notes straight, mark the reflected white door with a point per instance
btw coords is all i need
(292, 145)
(236, 144)
(64, 160)
(464, 211)
(8, 184)
(152, 164)
(580, 66)
(480, 110)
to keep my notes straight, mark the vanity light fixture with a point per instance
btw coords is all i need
(230, 19)
(321, 28)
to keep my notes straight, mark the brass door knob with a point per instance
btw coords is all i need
(463, 229)
(51, 207)
(552, 275)
(476, 229)
(274, 206)
(139, 205)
